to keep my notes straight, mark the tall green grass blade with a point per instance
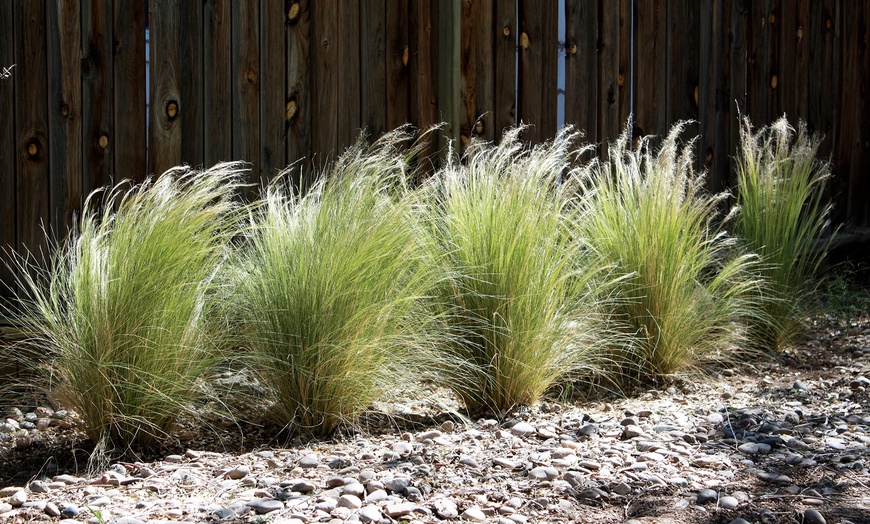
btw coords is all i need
(683, 291)
(782, 212)
(523, 312)
(332, 289)
(121, 319)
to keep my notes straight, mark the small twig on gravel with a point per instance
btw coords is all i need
(627, 506)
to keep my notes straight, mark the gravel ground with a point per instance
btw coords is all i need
(761, 442)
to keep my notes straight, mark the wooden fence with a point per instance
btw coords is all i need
(274, 81)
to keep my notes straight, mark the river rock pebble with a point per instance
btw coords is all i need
(812, 516)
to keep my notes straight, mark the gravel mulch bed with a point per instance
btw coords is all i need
(761, 442)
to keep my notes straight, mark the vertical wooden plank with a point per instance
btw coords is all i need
(129, 80)
(775, 91)
(324, 25)
(31, 119)
(98, 99)
(65, 112)
(758, 72)
(823, 64)
(713, 92)
(217, 82)
(373, 50)
(851, 146)
(792, 81)
(448, 68)
(609, 124)
(623, 94)
(506, 34)
(861, 189)
(191, 60)
(298, 110)
(273, 94)
(349, 75)
(581, 67)
(335, 77)
(683, 60)
(246, 84)
(423, 81)
(8, 139)
(650, 81)
(164, 144)
(538, 68)
(740, 21)
(478, 94)
(398, 73)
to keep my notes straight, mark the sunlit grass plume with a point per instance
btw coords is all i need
(332, 289)
(121, 319)
(782, 213)
(524, 312)
(683, 292)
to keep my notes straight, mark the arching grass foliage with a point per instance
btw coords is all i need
(121, 321)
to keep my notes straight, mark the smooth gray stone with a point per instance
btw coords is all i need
(812, 516)
(707, 496)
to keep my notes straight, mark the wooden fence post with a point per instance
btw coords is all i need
(449, 65)
(8, 140)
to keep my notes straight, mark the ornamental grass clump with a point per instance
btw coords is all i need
(332, 289)
(683, 290)
(524, 312)
(122, 319)
(781, 213)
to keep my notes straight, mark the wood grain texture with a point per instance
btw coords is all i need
(794, 50)
(823, 63)
(758, 70)
(373, 48)
(650, 78)
(713, 92)
(246, 84)
(538, 69)
(851, 144)
(273, 90)
(626, 73)
(217, 82)
(190, 59)
(98, 97)
(774, 58)
(398, 93)
(581, 67)
(65, 113)
(683, 60)
(448, 69)
(860, 190)
(8, 142)
(609, 124)
(165, 137)
(348, 75)
(129, 80)
(421, 61)
(32, 188)
(299, 88)
(737, 73)
(477, 74)
(505, 57)
(335, 71)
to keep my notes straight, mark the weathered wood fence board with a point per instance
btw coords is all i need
(8, 138)
(32, 183)
(272, 82)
